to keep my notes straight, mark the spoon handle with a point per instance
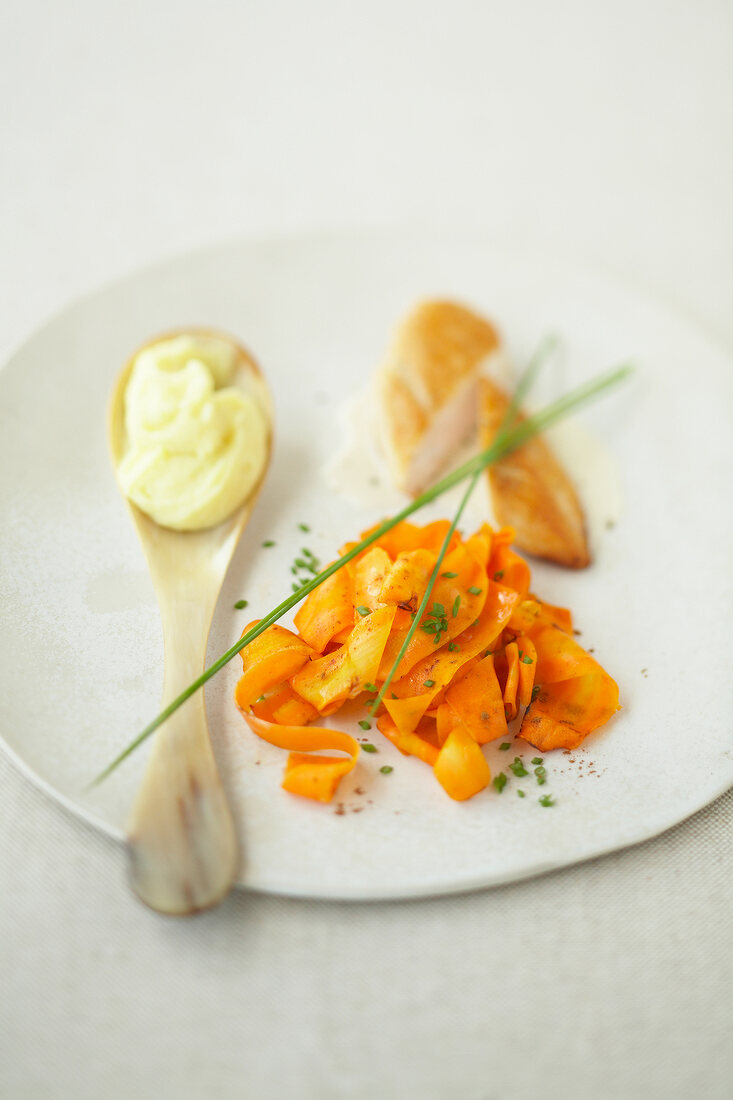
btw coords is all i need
(181, 838)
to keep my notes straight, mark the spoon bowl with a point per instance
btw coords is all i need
(181, 838)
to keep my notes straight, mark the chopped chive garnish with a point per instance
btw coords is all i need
(453, 648)
(301, 564)
(373, 687)
(527, 661)
(312, 568)
(456, 605)
(518, 767)
(435, 622)
(268, 542)
(500, 782)
(386, 769)
(304, 527)
(505, 745)
(499, 574)
(537, 760)
(535, 692)
(295, 587)
(365, 725)
(392, 695)
(293, 570)
(307, 553)
(450, 576)
(428, 683)
(369, 702)
(363, 610)
(260, 700)
(241, 604)
(520, 793)
(546, 800)
(369, 748)
(474, 590)
(541, 776)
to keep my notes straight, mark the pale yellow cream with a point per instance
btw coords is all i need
(196, 443)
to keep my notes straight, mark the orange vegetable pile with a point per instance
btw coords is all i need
(484, 651)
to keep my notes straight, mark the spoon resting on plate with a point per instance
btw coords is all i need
(191, 453)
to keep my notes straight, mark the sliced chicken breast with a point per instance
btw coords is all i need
(428, 389)
(531, 492)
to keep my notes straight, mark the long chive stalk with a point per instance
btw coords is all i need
(507, 422)
(508, 442)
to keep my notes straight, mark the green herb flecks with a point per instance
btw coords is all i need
(386, 769)
(500, 781)
(434, 623)
(241, 604)
(518, 767)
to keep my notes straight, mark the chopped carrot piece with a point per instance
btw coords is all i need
(461, 767)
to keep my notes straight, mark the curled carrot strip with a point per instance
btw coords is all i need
(476, 701)
(285, 708)
(269, 660)
(511, 685)
(506, 566)
(369, 576)
(341, 675)
(575, 696)
(328, 610)
(311, 776)
(408, 577)
(527, 668)
(410, 744)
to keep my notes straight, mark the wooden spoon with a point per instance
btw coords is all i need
(181, 838)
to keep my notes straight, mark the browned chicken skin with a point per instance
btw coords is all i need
(435, 396)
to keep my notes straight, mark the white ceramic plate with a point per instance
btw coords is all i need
(81, 652)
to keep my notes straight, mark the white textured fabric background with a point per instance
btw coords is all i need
(131, 131)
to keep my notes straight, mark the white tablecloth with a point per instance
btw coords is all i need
(131, 131)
